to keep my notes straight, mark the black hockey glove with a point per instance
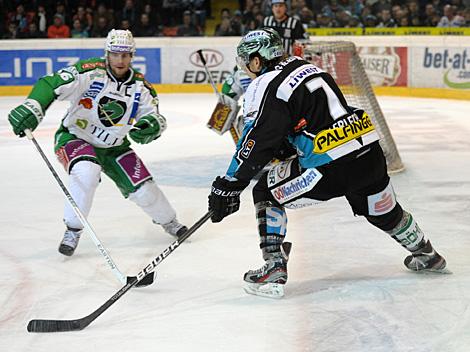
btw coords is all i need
(225, 197)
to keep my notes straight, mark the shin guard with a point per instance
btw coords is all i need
(272, 222)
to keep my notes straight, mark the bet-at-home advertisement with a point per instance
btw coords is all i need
(440, 67)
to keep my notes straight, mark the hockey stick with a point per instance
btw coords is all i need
(148, 280)
(41, 325)
(233, 131)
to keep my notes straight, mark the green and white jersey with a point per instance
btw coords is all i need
(102, 109)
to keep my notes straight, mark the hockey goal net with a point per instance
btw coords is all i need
(340, 59)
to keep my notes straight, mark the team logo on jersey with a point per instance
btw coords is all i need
(246, 151)
(111, 111)
(87, 103)
(334, 137)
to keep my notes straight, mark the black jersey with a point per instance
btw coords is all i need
(300, 102)
(290, 30)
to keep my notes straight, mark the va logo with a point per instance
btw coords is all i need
(111, 111)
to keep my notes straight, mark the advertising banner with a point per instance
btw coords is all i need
(25, 67)
(385, 66)
(440, 67)
(186, 65)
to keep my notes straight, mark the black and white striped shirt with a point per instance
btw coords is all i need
(290, 30)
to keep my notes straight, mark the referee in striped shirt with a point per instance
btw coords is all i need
(289, 28)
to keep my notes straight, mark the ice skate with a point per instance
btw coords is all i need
(269, 280)
(70, 241)
(425, 260)
(174, 228)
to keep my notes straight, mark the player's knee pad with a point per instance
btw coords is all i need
(85, 175)
(272, 222)
(146, 195)
(388, 221)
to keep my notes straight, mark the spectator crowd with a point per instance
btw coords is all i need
(154, 18)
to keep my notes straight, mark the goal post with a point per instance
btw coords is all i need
(340, 59)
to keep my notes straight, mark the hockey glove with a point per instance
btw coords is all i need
(148, 128)
(225, 197)
(25, 116)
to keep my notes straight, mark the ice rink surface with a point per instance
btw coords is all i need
(347, 291)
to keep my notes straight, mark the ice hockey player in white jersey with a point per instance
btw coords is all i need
(337, 155)
(109, 100)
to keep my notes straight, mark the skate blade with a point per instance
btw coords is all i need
(444, 271)
(269, 290)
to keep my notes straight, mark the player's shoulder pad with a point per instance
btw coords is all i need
(140, 77)
(90, 64)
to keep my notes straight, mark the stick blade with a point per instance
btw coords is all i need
(41, 325)
(146, 280)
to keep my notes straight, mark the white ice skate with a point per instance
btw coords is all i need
(70, 241)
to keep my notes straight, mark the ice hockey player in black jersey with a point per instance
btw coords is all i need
(337, 154)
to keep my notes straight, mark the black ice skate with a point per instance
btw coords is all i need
(70, 241)
(269, 280)
(426, 259)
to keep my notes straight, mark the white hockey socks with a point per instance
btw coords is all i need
(408, 233)
(151, 199)
(83, 181)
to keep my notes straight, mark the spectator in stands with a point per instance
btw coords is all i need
(343, 18)
(61, 10)
(102, 11)
(19, 17)
(332, 9)
(307, 18)
(251, 25)
(188, 28)
(429, 13)
(42, 20)
(86, 20)
(129, 13)
(370, 21)
(224, 28)
(236, 22)
(101, 29)
(77, 29)
(58, 29)
(144, 28)
(386, 20)
(467, 16)
(324, 21)
(125, 25)
(355, 22)
(449, 20)
(33, 32)
(404, 22)
(12, 31)
(381, 5)
(413, 9)
(154, 18)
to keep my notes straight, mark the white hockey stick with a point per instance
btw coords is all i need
(147, 280)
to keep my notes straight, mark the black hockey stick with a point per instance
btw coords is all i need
(148, 280)
(41, 325)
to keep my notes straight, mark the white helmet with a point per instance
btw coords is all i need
(120, 41)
